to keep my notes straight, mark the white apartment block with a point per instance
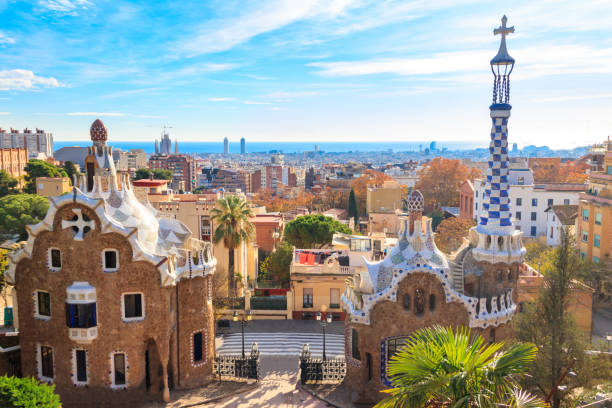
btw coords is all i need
(529, 201)
(38, 143)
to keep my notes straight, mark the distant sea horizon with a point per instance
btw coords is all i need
(286, 147)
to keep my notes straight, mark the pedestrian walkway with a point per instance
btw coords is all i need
(281, 344)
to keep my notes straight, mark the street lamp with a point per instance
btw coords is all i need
(244, 321)
(324, 322)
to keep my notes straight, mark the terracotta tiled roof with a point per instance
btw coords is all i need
(566, 213)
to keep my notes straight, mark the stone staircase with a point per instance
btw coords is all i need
(457, 266)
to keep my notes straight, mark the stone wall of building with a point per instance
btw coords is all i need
(392, 319)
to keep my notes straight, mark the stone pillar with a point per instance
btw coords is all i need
(166, 392)
(289, 305)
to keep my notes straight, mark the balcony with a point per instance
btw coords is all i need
(83, 335)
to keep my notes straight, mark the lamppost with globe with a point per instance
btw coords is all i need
(244, 321)
(324, 320)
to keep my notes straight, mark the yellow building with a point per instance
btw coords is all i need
(193, 210)
(384, 199)
(317, 282)
(52, 186)
(594, 232)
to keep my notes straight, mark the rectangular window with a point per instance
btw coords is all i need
(81, 365)
(585, 214)
(197, 347)
(519, 201)
(596, 259)
(534, 202)
(393, 345)
(119, 363)
(46, 361)
(521, 180)
(550, 202)
(582, 255)
(44, 303)
(111, 260)
(534, 216)
(307, 297)
(533, 231)
(598, 218)
(355, 344)
(56, 258)
(585, 236)
(132, 306)
(518, 215)
(81, 315)
(334, 298)
(566, 201)
(596, 241)
(476, 205)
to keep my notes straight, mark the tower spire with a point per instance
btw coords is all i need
(498, 240)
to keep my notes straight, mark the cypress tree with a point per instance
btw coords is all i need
(352, 208)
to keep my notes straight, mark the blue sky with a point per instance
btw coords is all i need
(335, 70)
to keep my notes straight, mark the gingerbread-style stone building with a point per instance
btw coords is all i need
(416, 286)
(113, 303)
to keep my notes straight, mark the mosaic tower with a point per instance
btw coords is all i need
(498, 237)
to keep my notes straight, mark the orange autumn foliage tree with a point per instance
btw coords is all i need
(439, 182)
(554, 171)
(277, 203)
(451, 232)
(369, 178)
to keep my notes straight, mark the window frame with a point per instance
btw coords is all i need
(41, 366)
(518, 215)
(203, 338)
(50, 259)
(113, 377)
(37, 313)
(305, 296)
(534, 216)
(585, 236)
(597, 240)
(94, 322)
(598, 218)
(75, 367)
(534, 202)
(126, 319)
(519, 201)
(104, 267)
(331, 304)
(534, 231)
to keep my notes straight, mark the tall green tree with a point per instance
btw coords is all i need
(231, 218)
(352, 208)
(313, 231)
(40, 168)
(8, 184)
(70, 170)
(141, 174)
(278, 263)
(439, 367)
(162, 174)
(548, 323)
(19, 210)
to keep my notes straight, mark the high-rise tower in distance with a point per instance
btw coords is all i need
(242, 146)
(225, 146)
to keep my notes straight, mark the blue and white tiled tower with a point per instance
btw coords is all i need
(498, 241)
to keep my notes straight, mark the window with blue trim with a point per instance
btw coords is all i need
(534, 202)
(585, 214)
(533, 231)
(519, 201)
(81, 315)
(596, 241)
(596, 259)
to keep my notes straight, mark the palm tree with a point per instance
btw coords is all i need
(438, 367)
(231, 216)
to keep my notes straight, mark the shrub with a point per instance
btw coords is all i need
(26, 393)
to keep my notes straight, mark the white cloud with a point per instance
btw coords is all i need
(133, 92)
(573, 98)
(283, 94)
(152, 116)
(5, 39)
(5, 113)
(21, 79)
(221, 99)
(256, 103)
(65, 6)
(534, 62)
(224, 34)
(97, 114)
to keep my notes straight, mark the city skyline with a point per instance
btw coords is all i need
(347, 70)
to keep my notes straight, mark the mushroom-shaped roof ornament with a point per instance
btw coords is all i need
(98, 131)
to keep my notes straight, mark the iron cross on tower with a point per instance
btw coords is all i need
(503, 30)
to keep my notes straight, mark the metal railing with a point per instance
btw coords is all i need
(319, 371)
(233, 367)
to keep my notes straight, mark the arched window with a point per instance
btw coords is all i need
(500, 277)
(407, 301)
(432, 302)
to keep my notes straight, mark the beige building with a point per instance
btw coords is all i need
(384, 199)
(52, 186)
(193, 210)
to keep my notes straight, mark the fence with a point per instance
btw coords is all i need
(236, 367)
(269, 303)
(229, 303)
(319, 371)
